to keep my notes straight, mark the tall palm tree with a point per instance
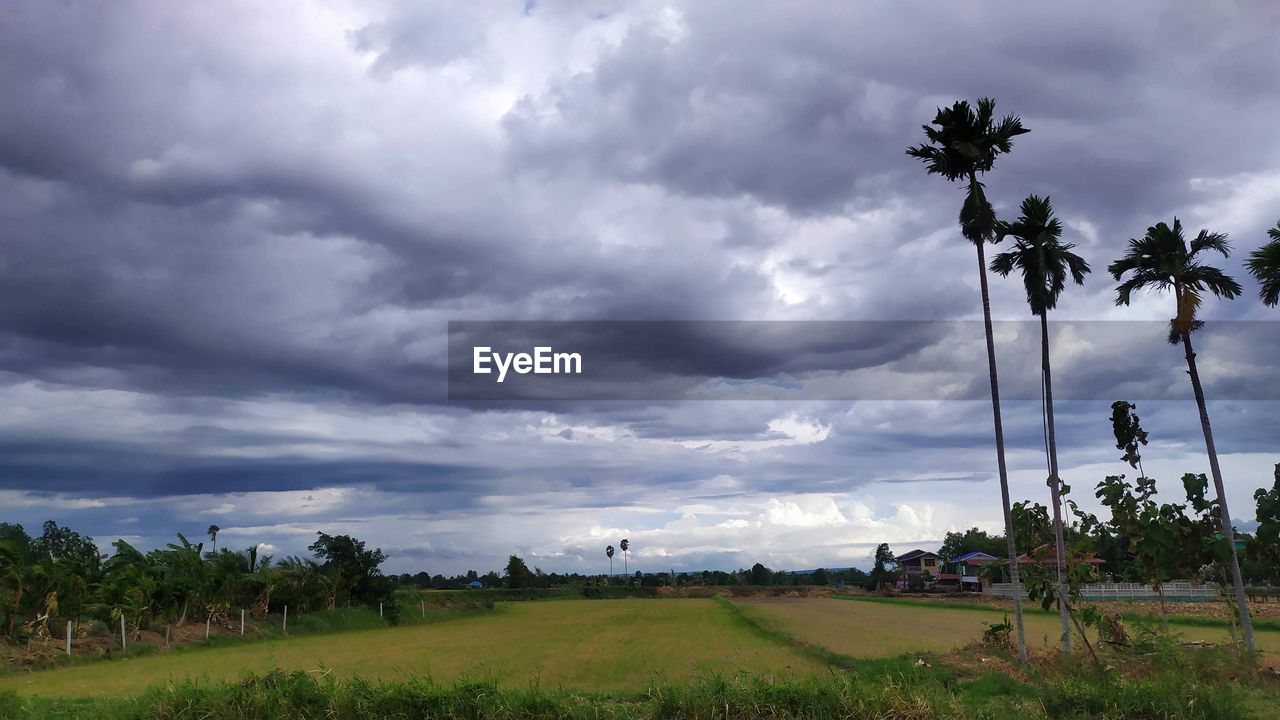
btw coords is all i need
(608, 550)
(623, 547)
(1044, 262)
(963, 144)
(212, 532)
(1162, 260)
(1264, 263)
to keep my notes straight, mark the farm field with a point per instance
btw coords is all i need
(883, 629)
(595, 645)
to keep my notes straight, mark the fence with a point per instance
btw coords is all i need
(1177, 590)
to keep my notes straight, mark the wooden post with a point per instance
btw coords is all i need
(68, 638)
(206, 627)
(166, 636)
(379, 609)
(124, 643)
(285, 627)
(241, 622)
(424, 609)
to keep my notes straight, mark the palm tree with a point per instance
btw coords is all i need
(963, 144)
(212, 532)
(1044, 262)
(608, 550)
(623, 547)
(1162, 260)
(1264, 263)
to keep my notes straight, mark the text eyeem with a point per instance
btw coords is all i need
(543, 361)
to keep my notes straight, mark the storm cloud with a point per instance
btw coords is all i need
(232, 239)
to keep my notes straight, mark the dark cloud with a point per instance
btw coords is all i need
(231, 240)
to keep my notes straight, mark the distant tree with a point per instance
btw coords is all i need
(623, 547)
(608, 550)
(760, 575)
(884, 571)
(1264, 263)
(212, 532)
(820, 577)
(354, 569)
(955, 544)
(518, 575)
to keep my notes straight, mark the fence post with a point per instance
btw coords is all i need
(166, 636)
(124, 643)
(424, 609)
(379, 609)
(68, 638)
(285, 627)
(206, 627)
(241, 622)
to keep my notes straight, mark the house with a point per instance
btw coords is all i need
(917, 563)
(966, 568)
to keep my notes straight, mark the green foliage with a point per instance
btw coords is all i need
(59, 576)
(955, 544)
(884, 571)
(1126, 426)
(963, 143)
(1039, 255)
(517, 573)
(1264, 264)
(352, 569)
(1265, 547)
(998, 635)
(1163, 260)
(1033, 529)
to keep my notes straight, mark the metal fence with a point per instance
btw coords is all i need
(1178, 590)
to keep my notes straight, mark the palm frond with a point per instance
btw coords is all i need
(977, 217)
(1264, 264)
(1044, 260)
(1212, 279)
(1206, 240)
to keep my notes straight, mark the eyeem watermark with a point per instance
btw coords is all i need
(517, 361)
(543, 361)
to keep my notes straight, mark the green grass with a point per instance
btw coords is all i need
(665, 659)
(622, 644)
(878, 627)
(1031, 608)
(885, 689)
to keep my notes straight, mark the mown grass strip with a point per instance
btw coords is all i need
(758, 627)
(1183, 620)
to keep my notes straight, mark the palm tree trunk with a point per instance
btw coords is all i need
(1055, 485)
(1000, 465)
(1246, 625)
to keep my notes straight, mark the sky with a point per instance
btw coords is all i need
(233, 236)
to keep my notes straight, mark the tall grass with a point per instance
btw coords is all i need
(906, 690)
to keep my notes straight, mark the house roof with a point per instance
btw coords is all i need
(977, 555)
(917, 553)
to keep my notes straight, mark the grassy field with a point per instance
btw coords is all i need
(598, 645)
(783, 659)
(884, 629)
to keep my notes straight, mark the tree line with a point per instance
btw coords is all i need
(60, 575)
